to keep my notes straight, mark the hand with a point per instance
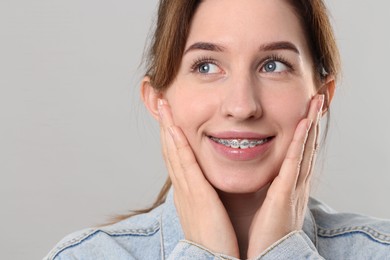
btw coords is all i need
(202, 215)
(284, 207)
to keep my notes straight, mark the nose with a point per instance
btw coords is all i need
(242, 99)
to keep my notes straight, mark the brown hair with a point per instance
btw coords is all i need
(172, 29)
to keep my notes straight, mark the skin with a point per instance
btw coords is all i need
(241, 207)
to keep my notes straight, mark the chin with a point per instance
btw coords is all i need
(240, 183)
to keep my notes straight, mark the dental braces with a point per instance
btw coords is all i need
(236, 143)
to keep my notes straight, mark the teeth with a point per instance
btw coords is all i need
(242, 144)
(235, 144)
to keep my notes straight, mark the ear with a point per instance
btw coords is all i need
(328, 89)
(150, 97)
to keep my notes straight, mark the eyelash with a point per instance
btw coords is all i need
(276, 57)
(200, 61)
(273, 57)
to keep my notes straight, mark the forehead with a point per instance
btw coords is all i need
(246, 23)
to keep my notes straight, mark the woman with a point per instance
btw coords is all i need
(239, 88)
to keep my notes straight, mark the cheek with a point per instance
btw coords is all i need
(293, 112)
(289, 111)
(190, 108)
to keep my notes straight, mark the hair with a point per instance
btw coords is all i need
(171, 32)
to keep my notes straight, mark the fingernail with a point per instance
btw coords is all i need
(320, 103)
(159, 106)
(160, 102)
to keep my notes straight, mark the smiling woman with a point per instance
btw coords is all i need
(239, 103)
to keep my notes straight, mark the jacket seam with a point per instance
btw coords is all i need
(277, 243)
(315, 227)
(162, 237)
(92, 232)
(368, 231)
(218, 256)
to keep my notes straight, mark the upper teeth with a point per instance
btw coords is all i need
(236, 143)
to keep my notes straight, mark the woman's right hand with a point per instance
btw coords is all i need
(202, 215)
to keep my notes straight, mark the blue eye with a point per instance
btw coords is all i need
(274, 66)
(208, 68)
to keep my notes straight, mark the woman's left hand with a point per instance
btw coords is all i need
(284, 207)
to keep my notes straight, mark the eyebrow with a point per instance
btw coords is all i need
(284, 45)
(207, 46)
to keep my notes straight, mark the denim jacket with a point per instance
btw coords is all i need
(326, 234)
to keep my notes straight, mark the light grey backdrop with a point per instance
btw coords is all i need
(76, 145)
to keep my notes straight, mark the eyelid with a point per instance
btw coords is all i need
(272, 57)
(202, 60)
(278, 58)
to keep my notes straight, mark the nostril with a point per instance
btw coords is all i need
(241, 103)
(245, 112)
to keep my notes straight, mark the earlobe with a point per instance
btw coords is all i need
(150, 97)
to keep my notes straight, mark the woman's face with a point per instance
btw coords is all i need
(244, 83)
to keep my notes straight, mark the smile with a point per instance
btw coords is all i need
(240, 143)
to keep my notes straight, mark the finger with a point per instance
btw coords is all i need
(311, 145)
(187, 160)
(166, 119)
(312, 159)
(166, 154)
(290, 168)
(182, 161)
(168, 147)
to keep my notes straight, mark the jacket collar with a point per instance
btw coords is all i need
(172, 233)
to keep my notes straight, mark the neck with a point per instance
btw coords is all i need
(241, 209)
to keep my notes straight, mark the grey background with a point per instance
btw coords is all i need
(76, 144)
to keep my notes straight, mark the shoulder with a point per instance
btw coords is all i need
(122, 240)
(348, 234)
